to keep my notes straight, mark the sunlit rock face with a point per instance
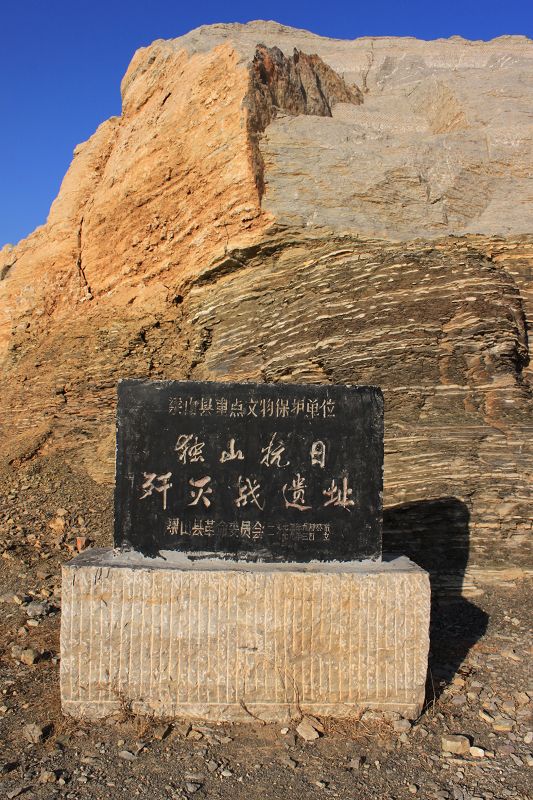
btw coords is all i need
(273, 205)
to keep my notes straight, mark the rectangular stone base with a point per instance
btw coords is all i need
(224, 640)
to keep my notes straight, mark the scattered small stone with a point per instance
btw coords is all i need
(402, 726)
(47, 776)
(15, 792)
(290, 740)
(29, 656)
(191, 788)
(182, 728)
(511, 654)
(212, 765)
(486, 717)
(161, 732)
(528, 760)
(307, 730)
(355, 763)
(317, 725)
(6, 598)
(126, 755)
(194, 777)
(284, 731)
(459, 700)
(528, 738)
(477, 752)
(57, 525)
(502, 725)
(457, 744)
(226, 773)
(37, 609)
(62, 742)
(287, 761)
(195, 735)
(413, 788)
(33, 733)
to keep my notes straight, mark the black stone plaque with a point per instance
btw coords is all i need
(253, 471)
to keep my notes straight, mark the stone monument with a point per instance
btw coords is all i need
(247, 578)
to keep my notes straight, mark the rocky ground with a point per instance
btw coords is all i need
(473, 740)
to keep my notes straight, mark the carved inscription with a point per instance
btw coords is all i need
(264, 471)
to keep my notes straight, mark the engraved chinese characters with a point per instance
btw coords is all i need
(249, 470)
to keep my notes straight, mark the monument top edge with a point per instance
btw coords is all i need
(165, 383)
(190, 562)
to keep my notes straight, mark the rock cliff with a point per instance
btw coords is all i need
(276, 206)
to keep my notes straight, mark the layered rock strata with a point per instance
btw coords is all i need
(272, 205)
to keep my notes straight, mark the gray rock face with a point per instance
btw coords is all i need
(443, 142)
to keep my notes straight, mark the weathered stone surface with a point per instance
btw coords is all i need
(225, 640)
(354, 212)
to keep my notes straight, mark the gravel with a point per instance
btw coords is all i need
(479, 688)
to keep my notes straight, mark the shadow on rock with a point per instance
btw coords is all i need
(435, 534)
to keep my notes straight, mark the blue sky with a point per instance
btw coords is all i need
(62, 62)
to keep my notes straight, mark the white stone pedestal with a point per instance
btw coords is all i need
(225, 640)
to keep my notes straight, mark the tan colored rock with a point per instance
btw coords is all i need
(33, 733)
(234, 641)
(47, 776)
(354, 212)
(459, 745)
(307, 730)
(29, 656)
(503, 725)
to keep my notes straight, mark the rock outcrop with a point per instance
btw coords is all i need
(276, 206)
